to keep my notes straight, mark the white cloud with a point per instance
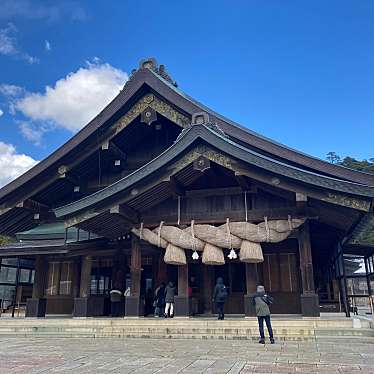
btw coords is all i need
(74, 100)
(10, 90)
(33, 132)
(47, 45)
(42, 10)
(8, 45)
(1, 112)
(13, 164)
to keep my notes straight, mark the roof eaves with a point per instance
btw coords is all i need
(215, 139)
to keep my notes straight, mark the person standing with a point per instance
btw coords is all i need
(262, 301)
(115, 301)
(170, 292)
(159, 301)
(220, 294)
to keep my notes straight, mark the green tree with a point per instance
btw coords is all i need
(5, 240)
(366, 166)
(333, 158)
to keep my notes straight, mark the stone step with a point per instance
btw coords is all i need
(295, 329)
(324, 339)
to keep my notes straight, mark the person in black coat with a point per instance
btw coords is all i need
(159, 301)
(170, 292)
(115, 300)
(220, 294)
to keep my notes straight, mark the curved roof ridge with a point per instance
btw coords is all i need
(251, 132)
(143, 76)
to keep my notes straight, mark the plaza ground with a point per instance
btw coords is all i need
(113, 355)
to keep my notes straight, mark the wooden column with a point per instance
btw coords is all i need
(136, 264)
(207, 288)
(119, 271)
(162, 274)
(309, 299)
(183, 280)
(40, 278)
(133, 304)
(251, 277)
(36, 306)
(182, 308)
(85, 283)
(86, 305)
(75, 279)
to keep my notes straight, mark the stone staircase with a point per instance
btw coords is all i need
(294, 329)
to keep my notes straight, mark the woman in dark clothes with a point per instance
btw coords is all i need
(159, 301)
(170, 292)
(220, 294)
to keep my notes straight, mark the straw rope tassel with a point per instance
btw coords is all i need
(267, 229)
(179, 210)
(159, 233)
(246, 206)
(141, 232)
(290, 222)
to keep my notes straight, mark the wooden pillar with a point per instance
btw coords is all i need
(162, 275)
(40, 278)
(251, 280)
(36, 306)
(85, 283)
(183, 280)
(309, 299)
(119, 270)
(251, 275)
(207, 288)
(136, 264)
(75, 279)
(133, 303)
(182, 308)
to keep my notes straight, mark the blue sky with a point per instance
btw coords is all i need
(299, 72)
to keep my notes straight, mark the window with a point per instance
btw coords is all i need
(24, 276)
(53, 274)
(59, 278)
(65, 278)
(8, 274)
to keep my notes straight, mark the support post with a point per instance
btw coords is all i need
(36, 306)
(309, 299)
(251, 275)
(86, 305)
(208, 288)
(182, 308)
(133, 305)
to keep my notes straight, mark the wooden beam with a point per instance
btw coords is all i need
(112, 147)
(220, 191)
(33, 206)
(289, 185)
(284, 194)
(125, 212)
(175, 188)
(245, 184)
(69, 177)
(255, 215)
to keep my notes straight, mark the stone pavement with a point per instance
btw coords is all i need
(77, 355)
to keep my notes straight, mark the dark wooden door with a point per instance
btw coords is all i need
(279, 273)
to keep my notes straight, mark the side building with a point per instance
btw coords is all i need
(158, 187)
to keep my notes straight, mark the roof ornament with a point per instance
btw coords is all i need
(151, 64)
(203, 118)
